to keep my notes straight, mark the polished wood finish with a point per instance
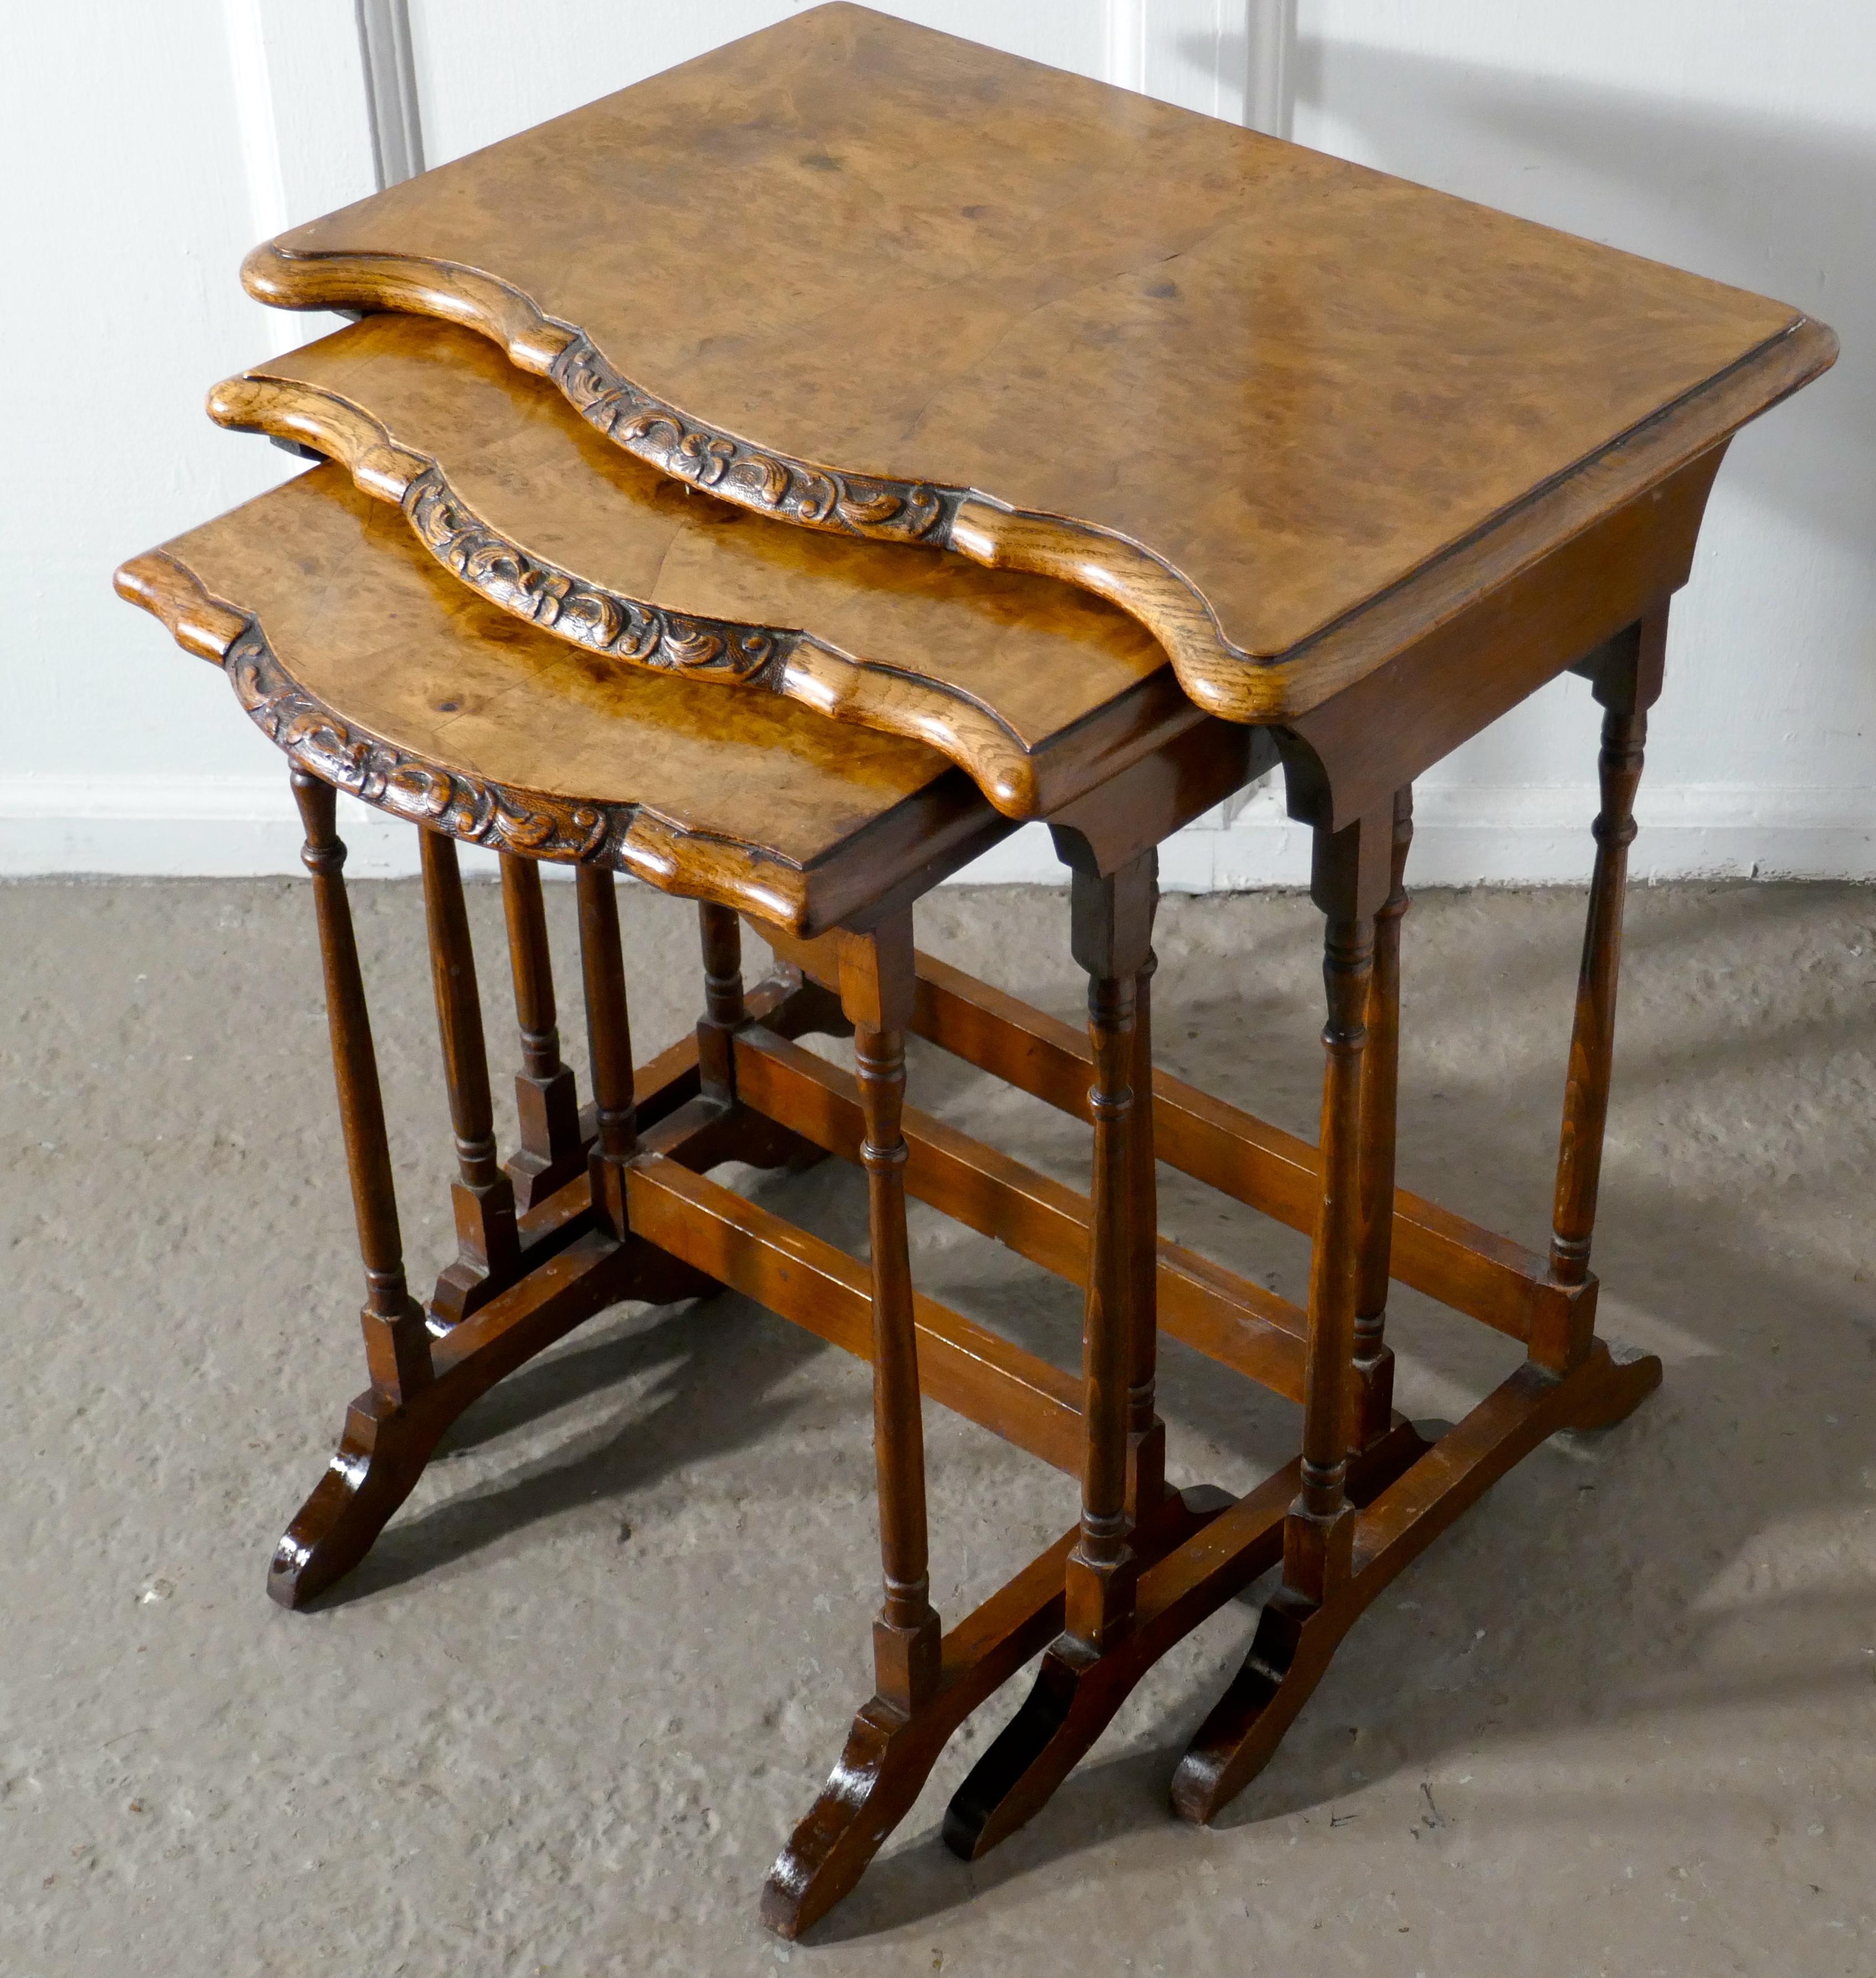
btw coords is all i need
(1478, 647)
(1079, 1688)
(1374, 1359)
(876, 997)
(575, 1270)
(1144, 1565)
(609, 1041)
(397, 1344)
(1295, 1640)
(1145, 1437)
(1110, 920)
(552, 1149)
(1627, 680)
(962, 1365)
(886, 1758)
(1052, 325)
(1349, 881)
(377, 671)
(1228, 1318)
(1040, 691)
(725, 1009)
(1191, 1552)
(1570, 1378)
(488, 1251)
(1320, 1526)
(1076, 1694)
(1487, 1277)
(1116, 1626)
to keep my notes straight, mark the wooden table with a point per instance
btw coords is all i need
(1361, 467)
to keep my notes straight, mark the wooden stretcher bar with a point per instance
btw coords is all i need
(964, 1365)
(1238, 1323)
(1462, 1265)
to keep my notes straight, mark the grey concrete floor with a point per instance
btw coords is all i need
(1621, 1720)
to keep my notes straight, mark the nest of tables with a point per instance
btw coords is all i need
(1084, 461)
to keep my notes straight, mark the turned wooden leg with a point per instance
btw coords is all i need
(487, 1243)
(340, 1521)
(925, 1686)
(1350, 882)
(725, 1011)
(608, 1039)
(1111, 933)
(551, 1151)
(1374, 1359)
(876, 989)
(397, 1342)
(1130, 1521)
(1320, 1526)
(1627, 680)
(1571, 1379)
(1145, 1432)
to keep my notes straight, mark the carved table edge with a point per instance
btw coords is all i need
(785, 659)
(764, 480)
(502, 817)
(1221, 677)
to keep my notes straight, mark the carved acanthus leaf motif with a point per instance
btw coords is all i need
(771, 483)
(603, 620)
(353, 759)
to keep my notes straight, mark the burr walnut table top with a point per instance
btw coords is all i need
(382, 673)
(1038, 690)
(1285, 410)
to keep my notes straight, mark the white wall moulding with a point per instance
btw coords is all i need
(235, 827)
(1518, 835)
(1199, 54)
(302, 104)
(390, 77)
(253, 110)
(1126, 44)
(140, 228)
(1270, 76)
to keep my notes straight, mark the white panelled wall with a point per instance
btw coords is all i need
(1733, 137)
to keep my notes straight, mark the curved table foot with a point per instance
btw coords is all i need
(889, 1756)
(1290, 1650)
(1077, 1692)
(1295, 1640)
(376, 1466)
(574, 1274)
(1626, 1379)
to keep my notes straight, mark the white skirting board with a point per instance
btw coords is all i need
(1465, 834)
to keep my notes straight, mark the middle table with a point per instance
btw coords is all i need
(1040, 692)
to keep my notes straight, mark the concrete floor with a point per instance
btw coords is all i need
(1622, 1720)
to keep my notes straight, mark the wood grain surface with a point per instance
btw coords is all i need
(1036, 688)
(881, 282)
(376, 669)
